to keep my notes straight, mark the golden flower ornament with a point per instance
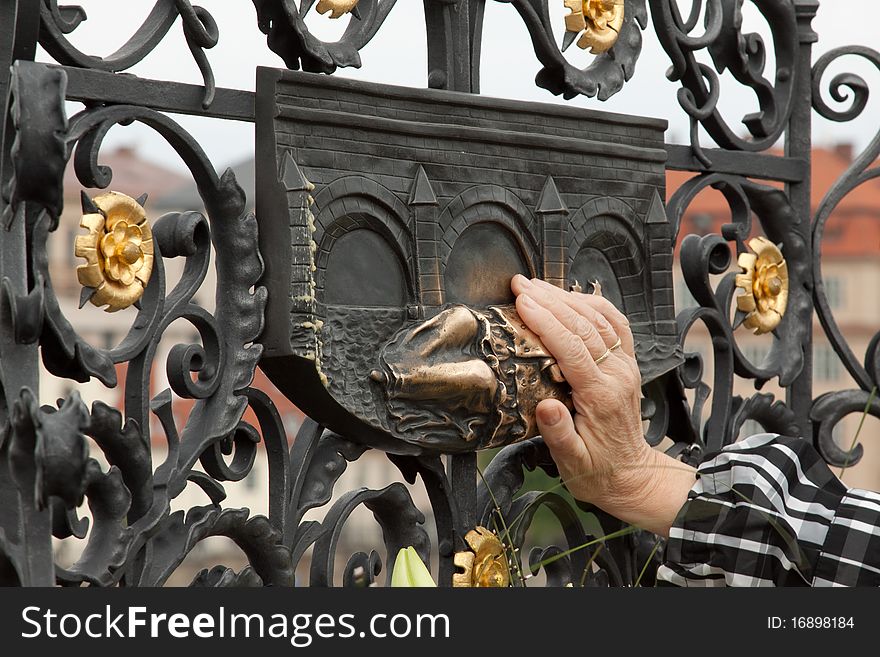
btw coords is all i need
(765, 282)
(118, 250)
(484, 565)
(337, 8)
(597, 21)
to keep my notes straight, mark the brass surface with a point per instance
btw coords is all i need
(118, 251)
(484, 565)
(337, 8)
(475, 375)
(765, 284)
(579, 289)
(597, 21)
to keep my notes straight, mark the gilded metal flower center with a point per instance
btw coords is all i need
(773, 287)
(484, 565)
(130, 253)
(599, 20)
(765, 283)
(337, 8)
(118, 250)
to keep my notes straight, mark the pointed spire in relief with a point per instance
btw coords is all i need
(421, 192)
(291, 176)
(142, 199)
(550, 202)
(657, 211)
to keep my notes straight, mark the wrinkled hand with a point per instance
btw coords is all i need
(600, 450)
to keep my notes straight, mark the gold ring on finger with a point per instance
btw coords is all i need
(603, 356)
(616, 345)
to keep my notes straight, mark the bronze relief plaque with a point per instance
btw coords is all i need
(391, 221)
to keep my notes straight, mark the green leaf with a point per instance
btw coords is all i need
(410, 571)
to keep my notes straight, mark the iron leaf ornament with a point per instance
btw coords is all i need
(288, 35)
(611, 29)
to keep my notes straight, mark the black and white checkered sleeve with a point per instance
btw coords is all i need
(767, 511)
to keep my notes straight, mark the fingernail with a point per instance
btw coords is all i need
(522, 281)
(550, 416)
(527, 301)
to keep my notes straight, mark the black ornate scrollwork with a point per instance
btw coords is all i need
(288, 35)
(743, 54)
(702, 257)
(302, 478)
(588, 558)
(829, 409)
(130, 503)
(199, 28)
(317, 460)
(605, 75)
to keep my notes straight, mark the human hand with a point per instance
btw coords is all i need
(600, 450)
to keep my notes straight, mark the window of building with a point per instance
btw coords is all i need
(826, 364)
(755, 353)
(683, 297)
(834, 292)
(702, 223)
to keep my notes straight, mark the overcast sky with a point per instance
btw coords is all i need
(397, 55)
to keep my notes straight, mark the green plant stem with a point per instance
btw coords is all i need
(508, 540)
(647, 563)
(855, 439)
(621, 532)
(590, 563)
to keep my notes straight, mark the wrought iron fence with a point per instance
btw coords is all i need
(134, 538)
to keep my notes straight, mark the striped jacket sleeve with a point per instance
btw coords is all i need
(767, 511)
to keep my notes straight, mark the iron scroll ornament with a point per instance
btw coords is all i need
(829, 409)
(199, 28)
(45, 448)
(705, 256)
(288, 35)
(454, 33)
(743, 55)
(609, 70)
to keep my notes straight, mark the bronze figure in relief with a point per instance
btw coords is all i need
(477, 374)
(390, 318)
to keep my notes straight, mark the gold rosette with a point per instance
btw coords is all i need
(118, 251)
(484, 565)
(765, 283)
(599, 21)
(337, 8)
